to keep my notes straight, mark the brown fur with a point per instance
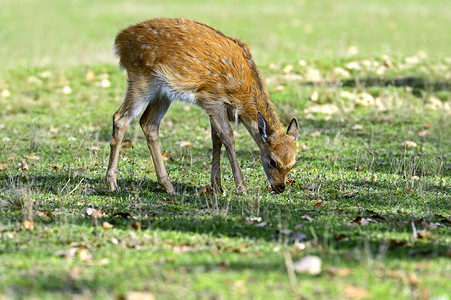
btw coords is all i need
(178, 58)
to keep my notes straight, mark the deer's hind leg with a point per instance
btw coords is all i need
(150, 124)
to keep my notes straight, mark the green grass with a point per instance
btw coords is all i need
(376, 212)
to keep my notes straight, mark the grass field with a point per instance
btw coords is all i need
(370, 194)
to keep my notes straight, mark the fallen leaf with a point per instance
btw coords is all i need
(184, 144)
(427, 125)
(285, 231)
(318, 203)
(105, 83)
(251, 220)
(361, 220)
(357, 127)
(4, 202)
(3, 166)
(127, 144)
(93, 148)
(6, 93)
(340, 237)
(288, 69)
(312, 186)
(204, 190)
(356, 292)
(339, 271)
(307, 217)
(424, 234)
(139, 296)
(24, 166)
(310, 264)
(316, 133)
(28, 225)
(408, 144)
(303, 146)
(71, 139)
(56, 168)
(66, 90)
(95, 213)
(347, 196)
(6, 139)
(84, 255)
(423, 133)
(32, 157)
(90, 76)
(136, 225)
(107, 225)
(298, 237)
(164, 156)
(314, 96)
(183, 248)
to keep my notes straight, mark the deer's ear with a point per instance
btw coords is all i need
(293, 129)
(262, 128)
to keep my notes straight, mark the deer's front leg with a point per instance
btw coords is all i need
(225, 132)
(216, 161)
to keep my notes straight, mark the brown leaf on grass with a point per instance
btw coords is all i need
(340, 237)
(4, 202)
(427, 125)
(204, 190)
(136, 225)
(288, 69)
(357, 127)
(94, 213)
(28, 225)
(291, 181)
(312, 186)
(3, 166)
(375, 215)
(302, 145)
(127, 144)
(318, 203)
(12, 156)
(308, 218)
(56, 168)
(90, 76)
(164, 156)
(314, 96)
(93, 148)
(251, 220)
(352, 195)
(309, 264)
(356, 292)
(361, 220)
(408, 144)
(423, 133)
(424, 234)
(107, 225)
(139, 296)
(443, 219)
(184, 248)
(339, 271)
(184, 144)
(316, 133)
(24, 166)
(32, 157)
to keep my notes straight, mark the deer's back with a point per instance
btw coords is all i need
(190, 56)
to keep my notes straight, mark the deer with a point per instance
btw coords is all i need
(176, 59)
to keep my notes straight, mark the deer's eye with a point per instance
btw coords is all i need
(272, 163)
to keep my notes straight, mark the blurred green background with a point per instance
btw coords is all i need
(71, 32)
